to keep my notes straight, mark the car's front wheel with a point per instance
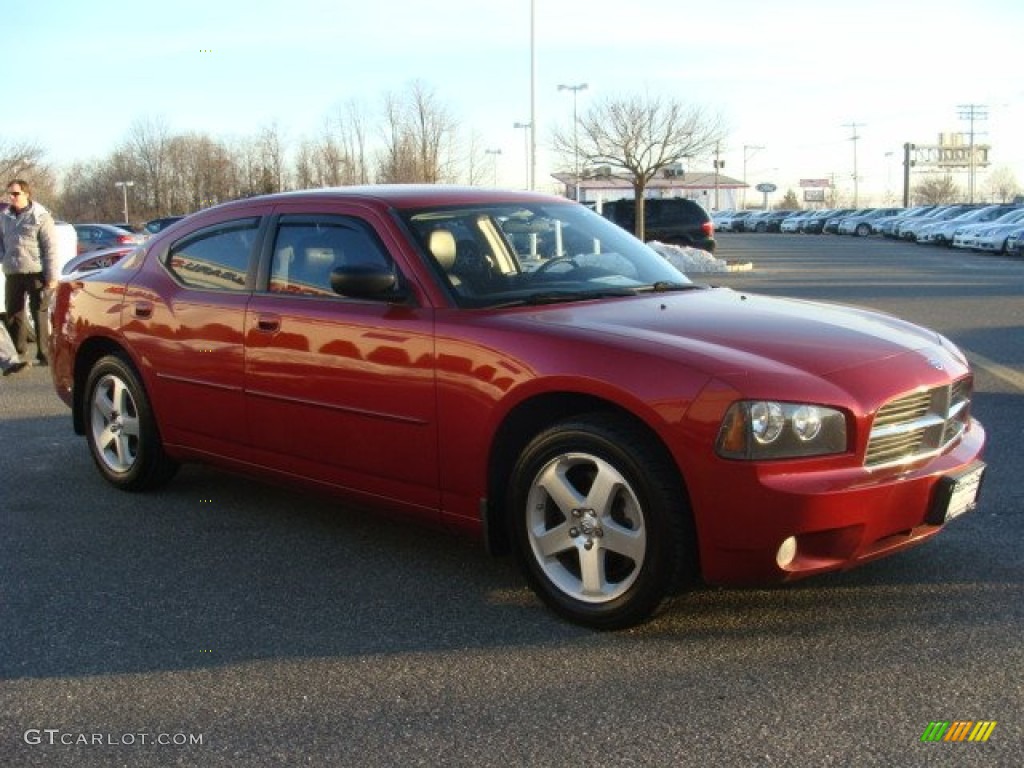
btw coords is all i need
(600, 520)
(122, 433)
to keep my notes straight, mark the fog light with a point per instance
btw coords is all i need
(786, 553)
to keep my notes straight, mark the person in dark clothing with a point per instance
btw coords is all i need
(28, 252)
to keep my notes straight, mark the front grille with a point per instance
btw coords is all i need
(919, 425)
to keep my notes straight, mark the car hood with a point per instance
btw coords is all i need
(727, 332)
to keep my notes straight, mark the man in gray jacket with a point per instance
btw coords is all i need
(28, 251)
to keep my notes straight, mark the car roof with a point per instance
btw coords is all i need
(404, 196)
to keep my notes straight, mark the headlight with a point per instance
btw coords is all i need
(763, 429)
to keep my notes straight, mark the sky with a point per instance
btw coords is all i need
(793, 81)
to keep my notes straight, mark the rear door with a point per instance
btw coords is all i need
(184, 319)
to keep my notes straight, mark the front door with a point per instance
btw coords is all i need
(338, 389)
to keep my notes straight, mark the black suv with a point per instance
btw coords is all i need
(672, 220)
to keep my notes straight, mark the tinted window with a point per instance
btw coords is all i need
(660, 213)
(216, 258)
(307, 250)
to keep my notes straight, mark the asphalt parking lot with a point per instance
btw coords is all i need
(224, 622)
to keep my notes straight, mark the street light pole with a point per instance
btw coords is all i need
(533, 96)
(494, 154)
(526, 148)
(124, 187)
(575, 131)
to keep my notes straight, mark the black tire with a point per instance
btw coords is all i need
(761, 227)
(119, 426)
(602, 529)
(863, 230)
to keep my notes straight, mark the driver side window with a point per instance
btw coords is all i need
(306, 251)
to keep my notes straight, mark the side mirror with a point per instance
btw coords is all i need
(366, 282)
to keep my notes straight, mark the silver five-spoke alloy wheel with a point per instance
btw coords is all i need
(586, 528)
(115, 424)
(118, 421)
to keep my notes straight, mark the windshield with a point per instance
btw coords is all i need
(509, 254)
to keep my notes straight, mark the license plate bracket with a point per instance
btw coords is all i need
(956, 494)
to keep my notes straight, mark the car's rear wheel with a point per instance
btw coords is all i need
(122, 433)
(600, 520)
(863, 230)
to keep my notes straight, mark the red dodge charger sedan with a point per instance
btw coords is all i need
(515, 366)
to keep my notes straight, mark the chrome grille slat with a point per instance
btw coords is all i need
(903, 410)
(919, 425)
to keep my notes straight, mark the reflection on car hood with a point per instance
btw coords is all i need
(736, 332)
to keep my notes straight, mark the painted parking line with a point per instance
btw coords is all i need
(1009, 375)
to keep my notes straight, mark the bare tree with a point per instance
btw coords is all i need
(419, 134)
(639, 136)
(270, 150)
(474, 153)
(397, 164)
(201, 173)
(148, 146)
(26, 160)
(352, 130)
(1002, 185)
(937, 190)
(89, 192)
(338, 156)
(18, 159)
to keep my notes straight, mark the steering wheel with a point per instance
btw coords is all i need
(547, 265)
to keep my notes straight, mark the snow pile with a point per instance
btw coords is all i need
(689, 260)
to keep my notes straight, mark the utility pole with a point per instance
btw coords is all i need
(526, 150)
(718, 165)
(972, 112)
(853, 127)
(748, 149)
(907, 165)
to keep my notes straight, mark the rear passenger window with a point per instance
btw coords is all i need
(216, 258)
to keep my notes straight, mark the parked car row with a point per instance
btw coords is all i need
(997, 228)
(751, 221)
(96, 236)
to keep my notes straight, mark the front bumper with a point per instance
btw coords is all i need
(837, 518)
